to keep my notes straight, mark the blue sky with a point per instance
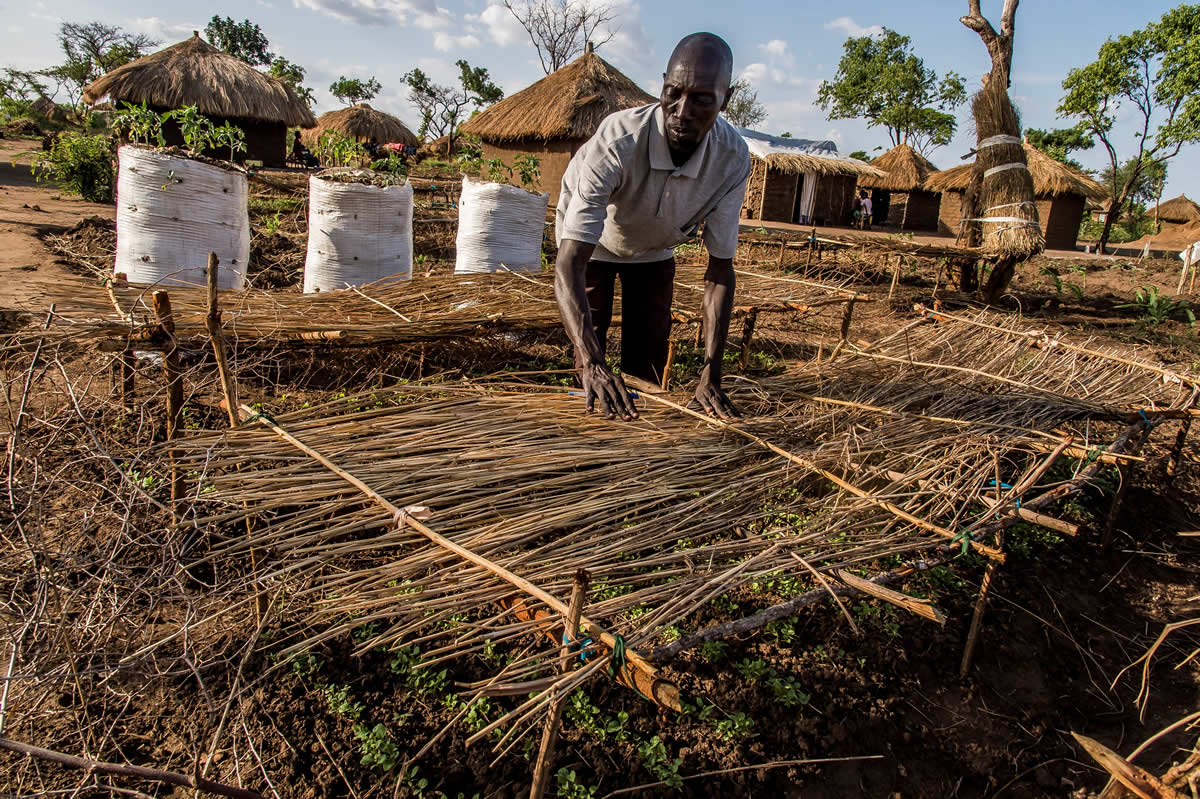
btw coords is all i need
(785, 47)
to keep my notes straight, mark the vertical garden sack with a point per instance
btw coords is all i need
(357, 231)
(499, 227)
(172, 212)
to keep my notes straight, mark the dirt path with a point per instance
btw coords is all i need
(28, 209)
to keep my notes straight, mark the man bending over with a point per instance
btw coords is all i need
(641, 185)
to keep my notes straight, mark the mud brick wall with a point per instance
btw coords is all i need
(553, 155)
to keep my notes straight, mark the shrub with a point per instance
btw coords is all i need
(81, 165)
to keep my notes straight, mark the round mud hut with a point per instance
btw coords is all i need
(901, 200)
(555, 116)
(220, 86)
(1179, 211)
(1061, 193)
(364, 124)
(801, 181)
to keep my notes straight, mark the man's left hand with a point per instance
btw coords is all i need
(714, 401)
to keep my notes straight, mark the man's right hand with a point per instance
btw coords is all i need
(607, 390)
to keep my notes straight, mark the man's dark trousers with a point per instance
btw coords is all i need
(646, 292)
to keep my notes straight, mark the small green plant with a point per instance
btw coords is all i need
(338, 149)
(306, 665)
(340, 703)
(1060, 284)
(528, 169)
(78, 164)
(393, 165)
(498, 171)
(197, 129)
(755, 670)
(658, 763)
(406, 662)
(592, 720)
(713, 651)
(376, 747)
(140, 124)
(736, 727)
(787, 691)
(231, 136)
(272, 223)
(569, 786)
(1157, 308)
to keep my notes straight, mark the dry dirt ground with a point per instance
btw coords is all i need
(1065, 620)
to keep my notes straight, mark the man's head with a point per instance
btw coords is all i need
(695, 89)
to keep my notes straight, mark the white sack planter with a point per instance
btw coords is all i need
(357, 234)
(172, 212)
(499, 228)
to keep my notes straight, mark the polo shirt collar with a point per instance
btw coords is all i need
(660, 153)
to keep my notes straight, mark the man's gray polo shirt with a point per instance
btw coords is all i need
(623, 193)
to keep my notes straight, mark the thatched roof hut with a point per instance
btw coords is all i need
(362, 123)
(555, 116)
(901, 199)
(907, 170)
(1178, 211)
(220, 86)
(1061, 192)
(801, 181)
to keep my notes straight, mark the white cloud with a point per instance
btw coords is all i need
(446, 42)
(502, 27)
(852, 28)
(776, 47)
(165, 32)
(377, 12)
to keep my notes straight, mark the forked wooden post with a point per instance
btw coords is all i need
(1177, 448)
(895, 275)
(672, 351)
(989, 573)
(847, 318)
(782, 247)
(699, 334)
(748, 337)
(213, 323)
(545, 759)
(1124, 475)
(174, 378)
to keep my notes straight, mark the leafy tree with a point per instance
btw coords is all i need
(90, 50)
(860, 155)
(1059, 143)
(787, 134)
(354, 90)
(1151, 76)
(744, 109)
(244, 40)
(442, 107)
(1146, 182)
(560, 29)
(292, 75)
(880, 79)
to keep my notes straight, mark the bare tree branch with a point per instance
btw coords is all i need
(560, 29)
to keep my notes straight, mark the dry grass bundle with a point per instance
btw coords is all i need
(1005, 182)
(362, 123)
(568, 103)
(422, 309)
(905, 168)
(929, 438)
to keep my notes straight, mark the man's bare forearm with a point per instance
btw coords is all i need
(570, 289)
(719, 283)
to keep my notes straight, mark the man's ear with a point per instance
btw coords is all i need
(725, 102)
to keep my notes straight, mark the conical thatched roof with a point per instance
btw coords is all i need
(568, 103)
(1050, 178)
(1178, 211)
(362, 123)
(194, 72)
(907, 170)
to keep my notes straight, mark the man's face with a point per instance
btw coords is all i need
(695, 91)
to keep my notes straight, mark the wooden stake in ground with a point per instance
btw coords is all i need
(174, 378)
(570, 641)
(213, 324)
(748, 337)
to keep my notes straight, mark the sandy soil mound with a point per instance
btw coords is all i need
(1172, 237)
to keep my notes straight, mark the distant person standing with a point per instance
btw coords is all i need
(641, 185)
(866, 211)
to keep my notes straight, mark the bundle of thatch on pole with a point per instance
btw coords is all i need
(1001, 193)
(362, 123)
